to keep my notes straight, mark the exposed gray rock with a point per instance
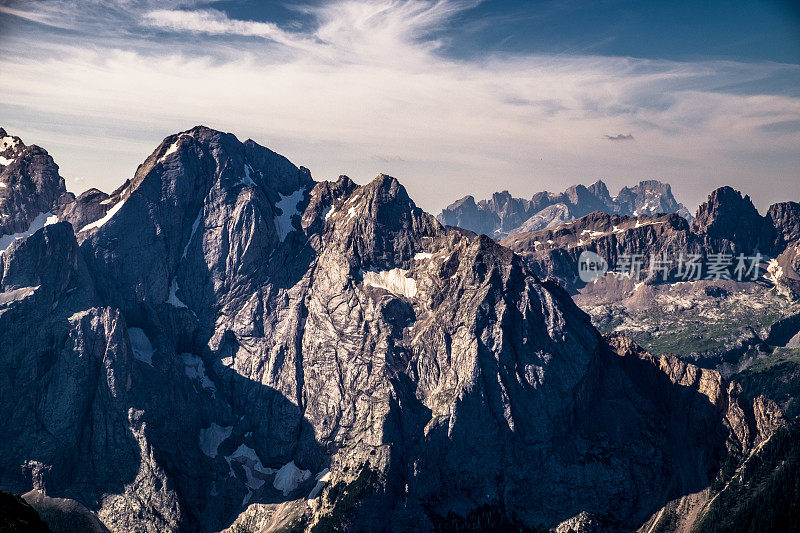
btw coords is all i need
(86, 208)
(231, 338)
(29, 185)
(503, 215)
(64, 515)
(785, 217)
(727, 223)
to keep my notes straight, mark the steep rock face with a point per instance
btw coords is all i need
(511, 211)
(465, 213)
(198, 187)
(30, 185)
(704, 394)
(63, 514)
(649, 197)
(554, 252)
(728, 221)
(67, 366)
(785, 217)
(86, 208)
(504, 215)
(230, 333)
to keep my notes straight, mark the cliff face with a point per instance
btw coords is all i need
(30, 188)
(223, 337)
(727, 223)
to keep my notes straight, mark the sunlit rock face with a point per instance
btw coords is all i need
(223, 342)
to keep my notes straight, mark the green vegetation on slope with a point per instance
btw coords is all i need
(764, 495)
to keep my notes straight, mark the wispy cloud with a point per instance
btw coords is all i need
(369, 78)
(619, 137)
(215, 22)
(46, 18)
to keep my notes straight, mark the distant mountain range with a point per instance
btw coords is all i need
(503, 215)
(224, 343)
(727, 222)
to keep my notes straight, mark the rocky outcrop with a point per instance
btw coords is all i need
(64, 515)
(86, 208)
(727, 223)
(30, 186)
(17, 515)
(785, 218)
(649, 197)
(503, 215)
(231, 342)
(555, 252)
(465, 213)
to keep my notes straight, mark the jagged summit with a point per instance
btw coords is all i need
(223, 337)
(727, 223)
(31, 188)
(10, 147)
(729, 220)
(503, 215)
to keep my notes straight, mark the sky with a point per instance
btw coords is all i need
(452, 97)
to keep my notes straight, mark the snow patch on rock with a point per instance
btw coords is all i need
(593, 234)
(173, 299)
(639, 223)
(41, 220)
(395, 281)
(288, 207)
(253, 469)
(195, 225)
(774, 271)
(212, 436)
(173, 147)
(322, 479)
(142, 347)
(246, 179)
(99, 223)
(8, 142)
(196, 370)
(289, 478)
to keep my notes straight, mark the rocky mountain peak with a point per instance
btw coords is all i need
(466, 202)
(379, 224)
(728, 221)
(600, 190)
(30, 186)
(232, 339)
(504, 215)
(10, 147)
(465, 213)
(204, 199)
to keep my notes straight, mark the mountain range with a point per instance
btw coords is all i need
(503, 215)
(224, 343)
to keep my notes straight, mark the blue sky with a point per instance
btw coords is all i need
(453, 97)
